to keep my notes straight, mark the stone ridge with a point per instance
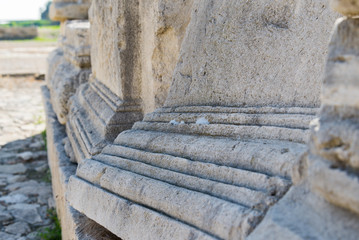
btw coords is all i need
(165, 172)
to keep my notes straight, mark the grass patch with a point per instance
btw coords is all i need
(53, 232)
(44, 137)
(38, 23)
(47, 176)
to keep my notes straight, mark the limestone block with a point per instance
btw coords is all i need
(53, 61)
(303, 215)
(346, 7)
(163, 26)
(333, 162)
(69, 66)
(115, 46)
(76, 43)
(221, 151)
(62, 10)
(257, 53)
(96, 116)
(111, 102)
(334, 184)
(14, 33)
(340, 87)
(74, 225)
(66, 79)
(325, 203)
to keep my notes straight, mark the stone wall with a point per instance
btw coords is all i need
(16, 33)
(195, 120)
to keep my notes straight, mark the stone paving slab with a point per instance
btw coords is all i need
(25, 187)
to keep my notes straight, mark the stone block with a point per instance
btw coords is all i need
(69, 66)
(76, 43)
(324, 204)
(63, 10)
(221, 150)
(346, 7)
(111, 101)
(163, 27)
(16, 33)
(74, 225)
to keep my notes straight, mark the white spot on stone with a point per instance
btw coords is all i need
(202, 121)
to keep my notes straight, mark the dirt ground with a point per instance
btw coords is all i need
(24, 57)
(21, 110)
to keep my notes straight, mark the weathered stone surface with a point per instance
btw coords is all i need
(17, 198)
(324, 204)
(5, 216)
(18, 228)
(276, 55)
(163, 26)
(7, 236)
(26, 156)
(11, 169)
(69, 66)
(110, 103)
(221, 151)
(303, 215)
(26, 212)
(76, 42)
(346, 7)
(13, 33)
(62, 10)
(334, 158)
(74, 225)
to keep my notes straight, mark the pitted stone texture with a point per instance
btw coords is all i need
(111, 101)
(74, 225)
(207, 163)
(340, 87)
(66, 80)
(333, 163)
(325, 202)
(76, 43)
(346, 7)
(62, 10)
(163, 25)
(172, 169)
(302, 215)
(69, 66)
(96, 117)
(115, 34)
(253, 53)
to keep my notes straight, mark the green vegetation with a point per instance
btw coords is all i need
(44, 137)
(47, 176)
(46, 34)
(53, 232)
(38, 23)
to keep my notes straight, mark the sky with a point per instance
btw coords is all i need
(21, 9)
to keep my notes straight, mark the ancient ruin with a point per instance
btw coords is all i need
(205, 119)
(17, 33)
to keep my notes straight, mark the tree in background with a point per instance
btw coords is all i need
(45, 12)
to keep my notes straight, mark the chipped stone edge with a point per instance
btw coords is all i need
(74, 225)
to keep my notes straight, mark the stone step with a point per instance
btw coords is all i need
(229, 130)
(248, 110)
(223, 174)
(270, 157)
(216, 216)
(239, 195)
(247, 119)
(125, 218)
